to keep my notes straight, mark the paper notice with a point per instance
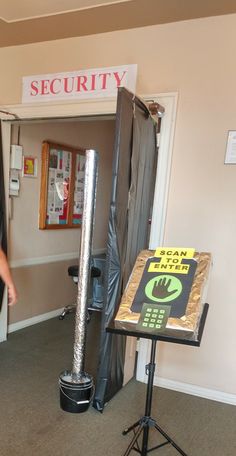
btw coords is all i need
(230, 156)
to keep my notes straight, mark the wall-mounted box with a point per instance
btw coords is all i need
(16, 157)
(14, 183)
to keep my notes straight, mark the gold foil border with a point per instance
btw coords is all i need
(190, 320)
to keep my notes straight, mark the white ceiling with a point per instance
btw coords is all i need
(17, 10)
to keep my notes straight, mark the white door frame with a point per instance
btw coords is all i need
(99, 108)
(6, 135)
(160, 201)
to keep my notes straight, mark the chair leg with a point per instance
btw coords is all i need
(66, 311)
(69, 309)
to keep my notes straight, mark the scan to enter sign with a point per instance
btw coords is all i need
(167, 280)
(170, 260)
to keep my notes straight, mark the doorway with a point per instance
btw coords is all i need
(40, 257)
(169, 101)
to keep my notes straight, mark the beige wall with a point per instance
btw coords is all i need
(197, 59)
(42, 288)
(28, 243)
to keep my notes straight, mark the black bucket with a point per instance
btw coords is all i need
(75, 397)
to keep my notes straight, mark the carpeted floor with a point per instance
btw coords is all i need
(32, 423)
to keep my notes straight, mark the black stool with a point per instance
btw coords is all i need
(73, 272)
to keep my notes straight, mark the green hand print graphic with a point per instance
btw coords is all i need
(163, 288)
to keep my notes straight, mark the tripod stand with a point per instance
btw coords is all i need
(146, 422)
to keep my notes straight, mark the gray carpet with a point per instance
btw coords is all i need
(32, 423)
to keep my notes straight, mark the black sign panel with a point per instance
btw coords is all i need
(165, 288)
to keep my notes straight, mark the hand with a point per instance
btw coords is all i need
(160, 289)
(12, 295)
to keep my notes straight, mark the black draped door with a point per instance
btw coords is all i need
(133, 182)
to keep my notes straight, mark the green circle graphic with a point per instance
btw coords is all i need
(163, 288)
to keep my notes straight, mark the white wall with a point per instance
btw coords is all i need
(195, 58)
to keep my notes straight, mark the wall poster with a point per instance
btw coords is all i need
(30, 165)
(62, 186)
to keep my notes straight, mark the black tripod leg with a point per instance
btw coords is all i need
(158, 428)
(146, 421)
(134, 440)
(127, 430)
(145, 440)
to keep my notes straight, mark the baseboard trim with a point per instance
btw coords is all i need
(196, 390)
(50, 259)
(34, 320)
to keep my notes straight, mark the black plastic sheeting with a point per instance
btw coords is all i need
(133, 182)
(3, 238)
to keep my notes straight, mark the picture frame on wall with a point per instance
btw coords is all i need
(30, 166)
(62, 186)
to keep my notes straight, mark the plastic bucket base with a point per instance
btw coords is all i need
(75, 397)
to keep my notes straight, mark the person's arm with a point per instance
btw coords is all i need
(7, 278)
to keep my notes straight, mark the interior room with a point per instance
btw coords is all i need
(184, 61)
(46, 256)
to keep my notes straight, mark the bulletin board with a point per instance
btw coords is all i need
(62, 186)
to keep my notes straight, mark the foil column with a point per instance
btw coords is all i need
(90, 185)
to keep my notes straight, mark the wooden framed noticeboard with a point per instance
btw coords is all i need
(62, 186)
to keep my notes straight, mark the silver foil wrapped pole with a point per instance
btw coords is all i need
(90, 184)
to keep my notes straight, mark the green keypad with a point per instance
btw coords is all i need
(153, 317)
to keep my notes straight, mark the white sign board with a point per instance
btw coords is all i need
(230, 156)
(84, 84)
